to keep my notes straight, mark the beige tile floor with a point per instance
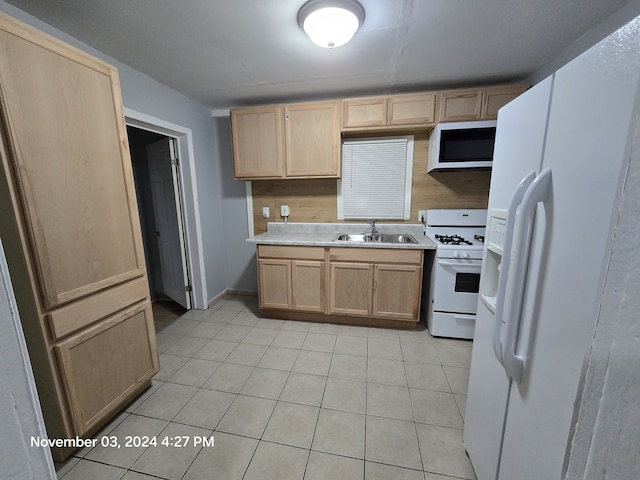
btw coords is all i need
(291, 400)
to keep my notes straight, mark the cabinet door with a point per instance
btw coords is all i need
(396, 292)
(64, 126)
(274, 276)
(307, 283)
(67, 175)
(459, 106)
(313, 139)
(418, 109)
(103, 367)
(258, 142)
(351, 288)
(364, 112)
(494, 99)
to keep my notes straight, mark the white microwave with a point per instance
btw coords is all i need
(457, 145)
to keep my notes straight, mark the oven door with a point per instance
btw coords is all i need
(456, 284)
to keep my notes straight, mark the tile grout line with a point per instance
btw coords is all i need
(337, 334)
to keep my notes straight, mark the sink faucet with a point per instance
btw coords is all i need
(372, 224)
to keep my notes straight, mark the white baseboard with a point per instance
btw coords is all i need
(231, 291)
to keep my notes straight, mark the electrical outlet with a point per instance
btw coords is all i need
(422, 216)
(265, 212)
(284, 210)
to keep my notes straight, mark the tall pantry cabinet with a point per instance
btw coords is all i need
(70, 226)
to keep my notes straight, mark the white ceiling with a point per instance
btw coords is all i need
(226, 53)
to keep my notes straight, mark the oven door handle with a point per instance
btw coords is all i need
(536, 193)
(477, 266)
(503, 280)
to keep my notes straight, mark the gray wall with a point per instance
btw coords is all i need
(607, 433)
(240, 257)
(214, 174)
(20, 415)
(623, 16)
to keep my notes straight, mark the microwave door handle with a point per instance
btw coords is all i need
(516, 199)
(536, 193)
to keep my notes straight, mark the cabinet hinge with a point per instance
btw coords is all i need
(174, 162)
(188, 288)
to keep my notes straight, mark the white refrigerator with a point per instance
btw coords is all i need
(560, 160)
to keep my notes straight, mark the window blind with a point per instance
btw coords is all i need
(376, 178)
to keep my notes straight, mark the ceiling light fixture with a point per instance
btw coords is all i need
(330, 23)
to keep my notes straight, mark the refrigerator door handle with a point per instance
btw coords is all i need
(516, 199)
(537, 192)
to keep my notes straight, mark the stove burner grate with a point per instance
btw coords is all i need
(480, 238)
(452, 240)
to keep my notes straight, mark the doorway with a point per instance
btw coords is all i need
(154, 160)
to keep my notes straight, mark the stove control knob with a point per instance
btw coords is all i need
(456, 254)
(465, 254)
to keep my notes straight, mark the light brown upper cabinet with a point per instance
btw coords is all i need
(71, 231)
(313, 139)
(495, 98)
(386, 112)
(475, 104)
(412, 109)
(364, 112)
(286, 141)
(459, 105)
(258, 142)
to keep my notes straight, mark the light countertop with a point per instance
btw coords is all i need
(323, 234)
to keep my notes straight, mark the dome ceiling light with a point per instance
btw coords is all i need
(330, 23)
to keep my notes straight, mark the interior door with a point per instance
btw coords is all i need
(166, 208)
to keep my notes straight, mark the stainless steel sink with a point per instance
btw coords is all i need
(395, 238)
(349, 237)
(376, 237)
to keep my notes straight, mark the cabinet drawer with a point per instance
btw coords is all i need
(104, 367)
(377, 255)
(82, 313)
(292, 253)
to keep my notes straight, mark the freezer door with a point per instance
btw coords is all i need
(486, 400)
(518, 151)
(522, 125)
(592, 110)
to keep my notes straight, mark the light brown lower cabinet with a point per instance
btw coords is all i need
(275, 283)
(104, 364)
(396, 291)
(351, 286)
(307, 285)
(387, 288)
(291, 278)
(294, 278)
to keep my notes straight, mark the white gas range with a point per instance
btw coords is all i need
(455, 275)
